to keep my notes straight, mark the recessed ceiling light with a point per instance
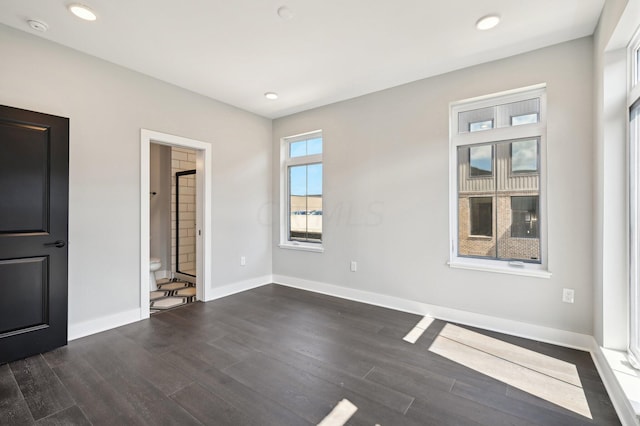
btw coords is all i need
(285, 13)
(271, 96)
(487, 22)
(83, 12)
(38, 25)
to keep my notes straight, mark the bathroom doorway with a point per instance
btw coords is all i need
(173, 228)
(187, 220)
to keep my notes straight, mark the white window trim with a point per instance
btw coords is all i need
(536, 130)
(285, 163)
(633, 96)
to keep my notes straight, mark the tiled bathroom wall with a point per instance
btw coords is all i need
(183, 159)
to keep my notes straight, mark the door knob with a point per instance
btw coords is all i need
(58, 244)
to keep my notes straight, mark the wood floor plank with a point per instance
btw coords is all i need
(193, 359)
(150, 405)
(41, 388)
(13, 406)
(516, 407)
(330, 373)
(137, 360)
(210, 409)
(339, 355)
(601, 413)
(408, 380)
(305, 394)
(99, 399)
(253, 403)
(70, 416)
(156, 335)
(439, 408)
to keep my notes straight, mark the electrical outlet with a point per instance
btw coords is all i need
(354, 266)
(243, 261)
(567, 295)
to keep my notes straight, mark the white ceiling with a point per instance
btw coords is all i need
(236, 50)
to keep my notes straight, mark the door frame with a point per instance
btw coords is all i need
(204, 184)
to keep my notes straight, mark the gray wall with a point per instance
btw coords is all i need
(160, 204)
(107, 106)
(386, 181)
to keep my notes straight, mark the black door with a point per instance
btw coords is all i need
(34, 204)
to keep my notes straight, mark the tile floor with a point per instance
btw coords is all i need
(171, 294)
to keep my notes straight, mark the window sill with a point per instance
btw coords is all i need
(302, 247)
(511, 270)
(628, 377)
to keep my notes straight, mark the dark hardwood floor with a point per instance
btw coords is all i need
(277, 356)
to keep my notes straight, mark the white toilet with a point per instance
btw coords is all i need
(154, 265)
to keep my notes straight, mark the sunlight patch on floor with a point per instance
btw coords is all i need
(548, 378)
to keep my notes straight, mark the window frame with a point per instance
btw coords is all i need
(496, 135)
(633, 140)
(286, 162)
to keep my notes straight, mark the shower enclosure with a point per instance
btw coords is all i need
(185, 224)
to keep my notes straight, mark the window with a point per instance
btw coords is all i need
(302, 203)
(497, 190)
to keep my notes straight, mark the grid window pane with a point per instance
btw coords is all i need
(482, 115)
(305, 203)
(298, 149)
(298, 180)
(305, 147)
(314, 146)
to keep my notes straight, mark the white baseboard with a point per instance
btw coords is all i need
(86, 328)
(515, 328)
(619, 399)
(237, 287)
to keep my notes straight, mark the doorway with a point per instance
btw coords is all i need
(203, 238)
